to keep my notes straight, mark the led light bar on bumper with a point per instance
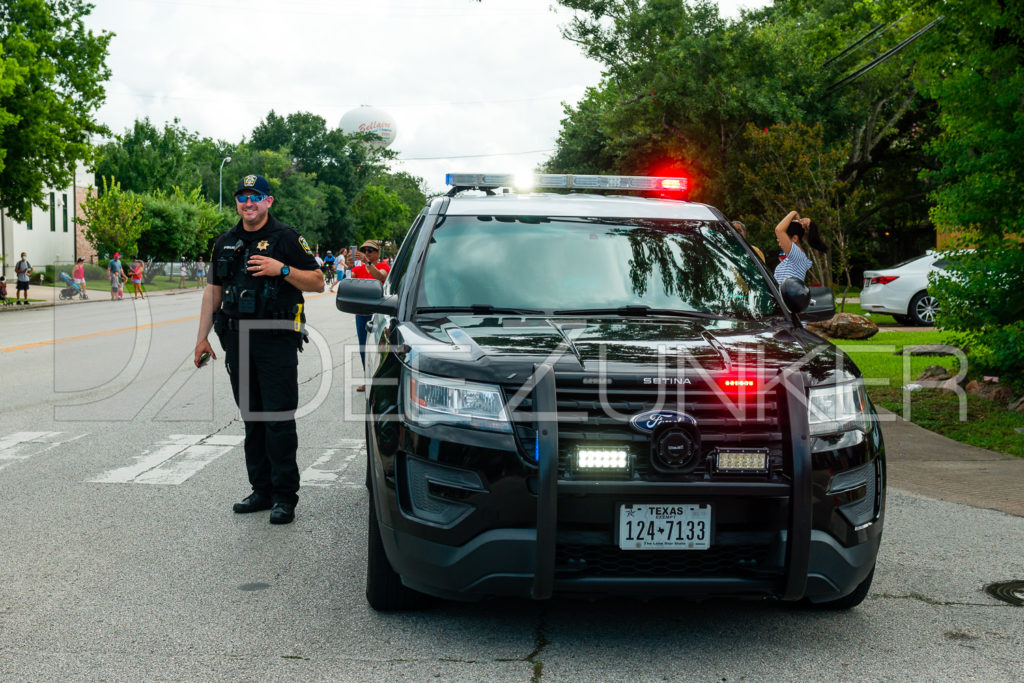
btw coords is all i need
(837, 408)
(741, 461)
(602, 460)
(437, 400)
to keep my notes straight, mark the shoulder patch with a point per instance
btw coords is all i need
(305, 245)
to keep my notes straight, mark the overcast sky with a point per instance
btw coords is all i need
(460, 78)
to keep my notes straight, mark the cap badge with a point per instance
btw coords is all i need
(249, 181)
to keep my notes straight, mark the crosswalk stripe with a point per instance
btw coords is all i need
(176, 458)
(319, 474)
(24, 445)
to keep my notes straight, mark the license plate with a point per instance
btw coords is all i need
(664, 527)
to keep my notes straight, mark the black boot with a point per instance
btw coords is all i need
(254, 503)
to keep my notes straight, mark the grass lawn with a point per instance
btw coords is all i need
(989, 425)
(879, 319)
(160, 284)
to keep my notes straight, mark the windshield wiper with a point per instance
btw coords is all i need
(478, 309)
(638, 311)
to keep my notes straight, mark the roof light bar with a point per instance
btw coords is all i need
(567, 181)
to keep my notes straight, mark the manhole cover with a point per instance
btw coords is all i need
(253, 586)
(1007, 591)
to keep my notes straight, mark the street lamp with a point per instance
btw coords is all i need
(220, 183)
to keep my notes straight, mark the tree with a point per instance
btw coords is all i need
(379, 215)
(51, 84)
(114, 220)
(298, 200)
(790, 166)
(179, 224)
(145, 159)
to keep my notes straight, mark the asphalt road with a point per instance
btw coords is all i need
(121, 558)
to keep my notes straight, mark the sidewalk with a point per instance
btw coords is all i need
(923, 462)
(51, 296)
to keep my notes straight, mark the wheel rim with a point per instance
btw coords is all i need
(926, 309)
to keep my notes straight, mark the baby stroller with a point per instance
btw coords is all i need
(72, 288)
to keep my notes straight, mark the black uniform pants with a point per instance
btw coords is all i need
(271, 387)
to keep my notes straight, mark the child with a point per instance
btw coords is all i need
(115, 284)
(3, 291)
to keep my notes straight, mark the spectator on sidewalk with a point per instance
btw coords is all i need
(368, 254)
(3, 291)
(200, 273)
(115, 267)
(137, 279)
(115, 284)
(183, 272)
(24, 270)
(78, 277)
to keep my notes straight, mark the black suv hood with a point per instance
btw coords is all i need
(498, 349)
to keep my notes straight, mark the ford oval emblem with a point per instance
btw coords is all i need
(646, 422)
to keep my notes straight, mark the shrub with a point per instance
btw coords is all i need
(981, 299)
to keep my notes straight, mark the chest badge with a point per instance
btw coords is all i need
(262, 245)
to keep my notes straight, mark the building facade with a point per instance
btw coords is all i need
(52, 235)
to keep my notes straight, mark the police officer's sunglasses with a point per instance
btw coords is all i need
(254, 198)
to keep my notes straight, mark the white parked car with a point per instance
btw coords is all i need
(902, 291)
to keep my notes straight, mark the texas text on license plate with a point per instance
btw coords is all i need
(664, 526)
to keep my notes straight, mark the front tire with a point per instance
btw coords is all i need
(923, 308)
(384, 588)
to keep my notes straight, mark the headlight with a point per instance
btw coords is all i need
(435, 400)
(838, 408)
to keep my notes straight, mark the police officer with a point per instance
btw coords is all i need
(254, 302)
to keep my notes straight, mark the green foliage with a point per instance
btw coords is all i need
(974, 70)
(52, 72)
(316, 175)
(379, 214)
(180, 224)
(790, 166)
(298, 200)
(981, 306)
(681, 86)
(145, 159)
(114, 221)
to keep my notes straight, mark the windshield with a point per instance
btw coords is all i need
(530, 262)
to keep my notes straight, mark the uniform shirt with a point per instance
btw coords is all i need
(795, 264)
(362, 272)
(291, 249)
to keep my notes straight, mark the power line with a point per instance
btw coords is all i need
(881, 58)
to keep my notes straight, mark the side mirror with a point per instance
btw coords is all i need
(364, 296)
(795, 294)
(822, 305)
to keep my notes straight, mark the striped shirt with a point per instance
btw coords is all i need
(795, 264)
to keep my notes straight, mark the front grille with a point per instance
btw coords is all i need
(594, 416)
(610, 561)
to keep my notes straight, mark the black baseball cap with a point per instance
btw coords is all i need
(253, 183)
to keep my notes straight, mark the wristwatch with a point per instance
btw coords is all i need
(285, 270)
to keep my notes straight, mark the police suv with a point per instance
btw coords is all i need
(570, 392)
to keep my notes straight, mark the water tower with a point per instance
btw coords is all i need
(367, 119)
